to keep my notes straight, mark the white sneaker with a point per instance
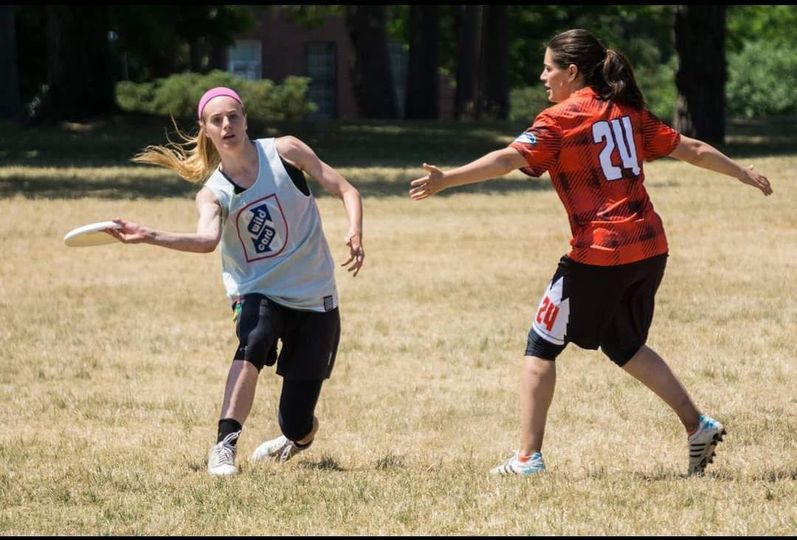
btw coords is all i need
(280, 449)
(702, 444)
(221, 458)
(514, 467)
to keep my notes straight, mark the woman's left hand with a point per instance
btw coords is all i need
(357, 253)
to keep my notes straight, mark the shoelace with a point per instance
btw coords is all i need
(225, 455)
(287, 451)
(226, 452)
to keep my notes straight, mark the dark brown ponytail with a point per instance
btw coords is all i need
(607, 71)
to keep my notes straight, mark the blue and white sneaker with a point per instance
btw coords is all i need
(703, 444)
(513, 466)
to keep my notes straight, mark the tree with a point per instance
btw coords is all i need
(494, 69)
(158, 40)
(422, 78)
(468, 60)
(10, 103)
(371, 76)
(702, 71)
(79, 65)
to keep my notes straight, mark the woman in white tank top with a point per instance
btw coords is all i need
(276, 264)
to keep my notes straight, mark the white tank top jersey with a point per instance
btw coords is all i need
(272, 241)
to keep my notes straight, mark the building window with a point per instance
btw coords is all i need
(245, 59)
(321, 59)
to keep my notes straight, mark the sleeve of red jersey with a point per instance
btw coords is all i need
(539, 145)
(658, 138)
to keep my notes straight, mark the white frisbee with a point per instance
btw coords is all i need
(91, 235)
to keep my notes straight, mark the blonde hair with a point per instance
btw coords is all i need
(193, 159)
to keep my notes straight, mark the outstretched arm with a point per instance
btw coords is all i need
(706, 156)
(303, 157)
(204, 240)
(492, 165)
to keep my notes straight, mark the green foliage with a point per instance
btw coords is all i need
(657, 82)
(762, 78)
(526, 103)
(311, 17)
(774, 24)
(641, 32)
(178, 95)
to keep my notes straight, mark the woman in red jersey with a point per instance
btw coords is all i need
(592, 142)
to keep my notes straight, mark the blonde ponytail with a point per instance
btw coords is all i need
(193, 159)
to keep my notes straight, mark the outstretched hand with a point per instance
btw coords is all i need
(128, 232)
(356, 253)
(756, 180)
(428, 185)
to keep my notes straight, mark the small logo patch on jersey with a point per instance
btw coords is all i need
(526, 138)
(329, 303)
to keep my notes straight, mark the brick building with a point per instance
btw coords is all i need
(276, 48)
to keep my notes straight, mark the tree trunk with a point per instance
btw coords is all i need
(79, 62)
(422, 77)
(494, 73)
(195, 50)
(218, 55)
(468, 60)
(702, 71)
(371, 75)
(10, 103)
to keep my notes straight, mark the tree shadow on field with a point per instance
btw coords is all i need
(758, 137)
(143, 186)
(74, 187)
(72, 156)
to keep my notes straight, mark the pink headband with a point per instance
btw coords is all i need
(214, 93)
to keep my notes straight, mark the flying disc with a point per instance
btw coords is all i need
(91, 235)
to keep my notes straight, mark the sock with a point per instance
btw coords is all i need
(227, 426)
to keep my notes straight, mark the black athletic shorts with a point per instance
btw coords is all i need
(308, 339)
(610, 307)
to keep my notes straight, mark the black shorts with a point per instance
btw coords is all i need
(610, 307)
(309, 339)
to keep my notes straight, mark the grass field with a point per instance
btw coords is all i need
(113, 359)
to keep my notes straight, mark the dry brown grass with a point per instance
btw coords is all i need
(113, 359)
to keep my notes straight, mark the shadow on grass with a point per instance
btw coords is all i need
(406, 145)
(324, 464)
(158, 187)
(757, 137)
(31, 187)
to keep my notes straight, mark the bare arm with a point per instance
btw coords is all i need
(492, 165)
(706, 156)
(303, 157)
(204, 240)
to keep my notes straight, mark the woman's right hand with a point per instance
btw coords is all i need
(129, 232)
(428, 185)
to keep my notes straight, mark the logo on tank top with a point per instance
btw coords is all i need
(262, 229)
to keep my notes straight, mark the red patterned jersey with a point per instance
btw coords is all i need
(593, 149)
